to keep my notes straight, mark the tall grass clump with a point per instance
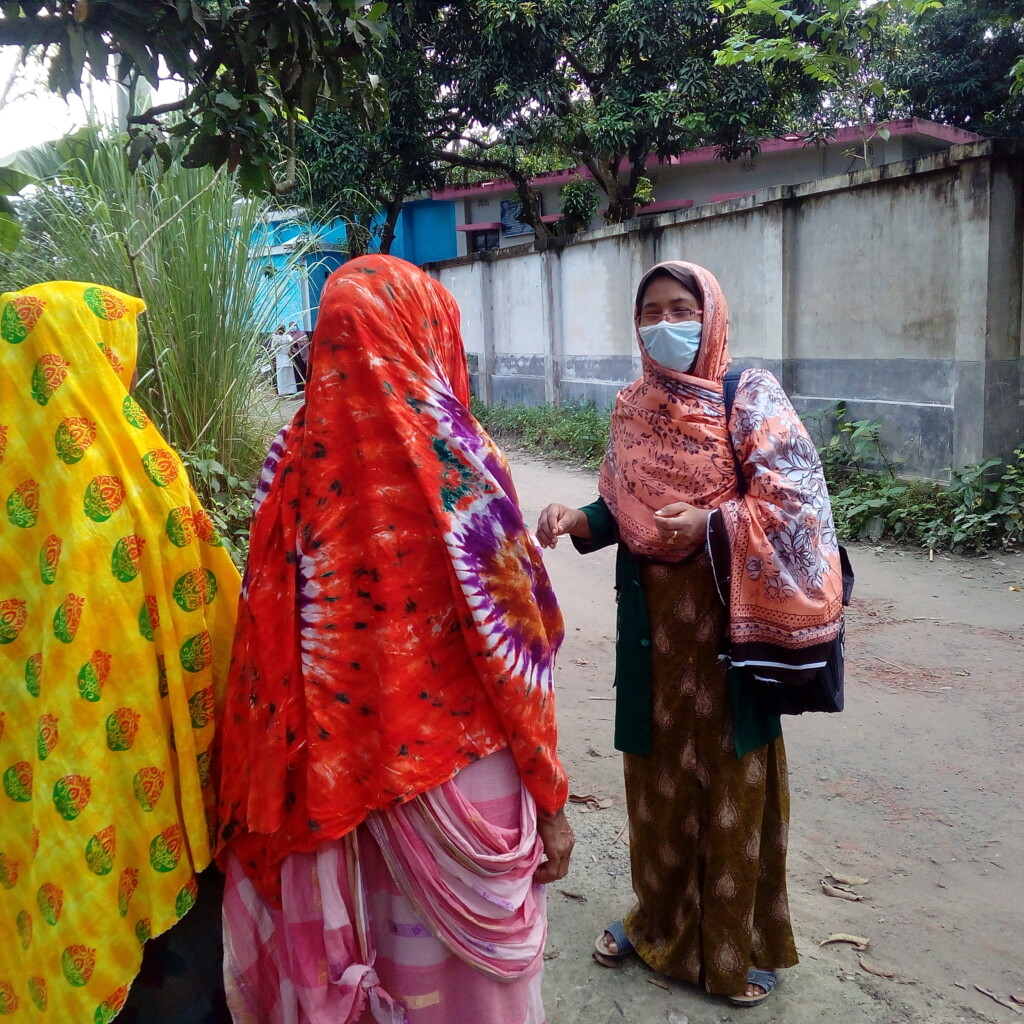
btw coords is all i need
(181, 240)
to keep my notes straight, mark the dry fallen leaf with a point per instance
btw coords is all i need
(658, 982)
(876, 969)
(1000, 1000)
(848, 879)
(594, 803)
(842, 894)
(573, 895)
(857, 940)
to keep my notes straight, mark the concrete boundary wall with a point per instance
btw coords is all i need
(896, 289)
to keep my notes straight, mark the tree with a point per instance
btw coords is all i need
(605, 83)
(834, 45)
(248, 68)
(956, 66)
(363, 172)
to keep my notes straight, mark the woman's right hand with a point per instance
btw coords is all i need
(558, 840)
(557, 520)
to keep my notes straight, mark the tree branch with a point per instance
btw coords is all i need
(150, 116)
(28, 32)
(474, 163)
(282, 188)
(589, 77)
(477, 142)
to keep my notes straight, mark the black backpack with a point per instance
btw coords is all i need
(824, 692)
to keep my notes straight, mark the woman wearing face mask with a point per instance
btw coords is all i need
(703, 568)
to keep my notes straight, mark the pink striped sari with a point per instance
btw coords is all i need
(425, 914)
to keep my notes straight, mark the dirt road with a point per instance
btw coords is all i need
(917, 786)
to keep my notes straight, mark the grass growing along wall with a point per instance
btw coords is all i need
(576, 434)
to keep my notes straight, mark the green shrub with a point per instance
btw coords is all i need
(575, 433)
(981, 508)
(226, 497)
(580, 199)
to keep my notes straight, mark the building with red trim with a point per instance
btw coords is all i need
(485, 213)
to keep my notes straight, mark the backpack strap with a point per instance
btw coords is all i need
(730, 382)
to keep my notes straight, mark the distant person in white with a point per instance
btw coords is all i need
(280, 348)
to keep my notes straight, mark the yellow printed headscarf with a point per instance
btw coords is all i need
(117, 607)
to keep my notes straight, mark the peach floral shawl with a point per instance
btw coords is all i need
(670, 442)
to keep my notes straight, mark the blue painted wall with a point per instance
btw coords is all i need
(428, 232)
(319, 267)
(290, 289)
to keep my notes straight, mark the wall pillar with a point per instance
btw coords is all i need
(987, 392)
(551, 323)
(975, 221)
(487, 319)
(1003, 425)
(778, 294)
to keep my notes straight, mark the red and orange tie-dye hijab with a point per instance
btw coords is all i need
(670, 442)
(396, 622)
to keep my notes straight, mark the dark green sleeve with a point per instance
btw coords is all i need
(632, 659)
(603, 529)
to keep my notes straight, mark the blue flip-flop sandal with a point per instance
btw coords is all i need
(622, 944)
(766, 979)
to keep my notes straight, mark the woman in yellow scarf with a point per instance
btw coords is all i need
(117, 608)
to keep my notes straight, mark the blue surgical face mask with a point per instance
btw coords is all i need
(674, 346)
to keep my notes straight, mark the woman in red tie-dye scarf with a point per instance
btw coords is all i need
(390, 794)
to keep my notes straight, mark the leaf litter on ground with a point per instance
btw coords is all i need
(590, 802)
(839, 892)
(857, 941)
(1001, 1000)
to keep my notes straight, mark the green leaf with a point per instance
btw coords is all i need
(165, 154)
(140, 149)
(228, 100)
(10, 228)
(141, 57)
(253, 178)
(207, 151)
(13, 181)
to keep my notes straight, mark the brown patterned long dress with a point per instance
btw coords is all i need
(708, 831)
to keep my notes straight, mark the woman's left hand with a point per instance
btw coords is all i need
(682, 524)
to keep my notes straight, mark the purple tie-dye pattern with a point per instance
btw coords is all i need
(486, 538)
